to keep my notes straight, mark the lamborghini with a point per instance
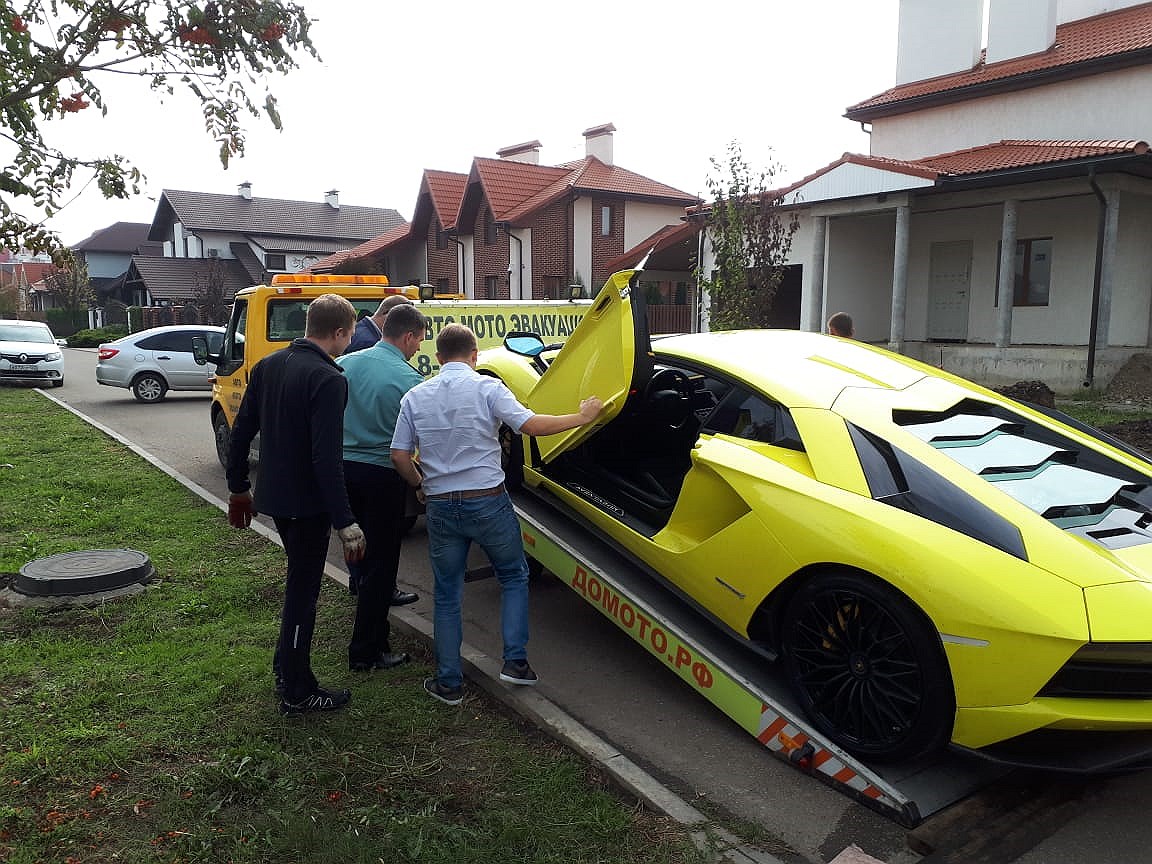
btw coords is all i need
(927, 561)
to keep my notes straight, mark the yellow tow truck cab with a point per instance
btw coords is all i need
(266, 318)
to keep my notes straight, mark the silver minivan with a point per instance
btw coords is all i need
(152, 362)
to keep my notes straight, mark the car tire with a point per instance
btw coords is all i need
(512, 458)
(868, 667)
(59, 382)
(223, 436)
(149, 387)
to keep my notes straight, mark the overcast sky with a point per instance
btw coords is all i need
(403, 87)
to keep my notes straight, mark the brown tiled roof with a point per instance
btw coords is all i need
(252, 265)
(369, 247)
(124, 237)
(987, 158)
(198, 211)
(509, 184)
(1079, 48)
(666, 237)
(175, 278)
(1020, 154)
(302, 245)
(446, 189)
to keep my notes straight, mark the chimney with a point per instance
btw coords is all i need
(528, 152)
(598, 142)
(937, 37)
(1016, 29)
(245, 190)
(332, 198)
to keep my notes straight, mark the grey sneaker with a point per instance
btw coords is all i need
(447, 695)
(518, 672)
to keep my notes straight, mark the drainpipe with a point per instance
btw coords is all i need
(462, 271)
(519, 258)
(1094, 324)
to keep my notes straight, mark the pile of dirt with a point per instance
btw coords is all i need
(1134, 433)
(1036, 392)
(1133, 383)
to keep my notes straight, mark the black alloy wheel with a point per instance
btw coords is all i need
(868, 667)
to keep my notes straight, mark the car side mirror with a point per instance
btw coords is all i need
(61, 343)
(200, 352)
(524, 344)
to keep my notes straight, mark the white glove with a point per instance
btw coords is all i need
(353, 539)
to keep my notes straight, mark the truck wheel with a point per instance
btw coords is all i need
(149, 387)
(868, 667)
(223, 436)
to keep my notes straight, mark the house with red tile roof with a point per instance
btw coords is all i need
(512, 228)
(998, 226)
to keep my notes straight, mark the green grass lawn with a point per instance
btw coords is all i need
(146, 729)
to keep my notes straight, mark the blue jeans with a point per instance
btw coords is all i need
(452, 527)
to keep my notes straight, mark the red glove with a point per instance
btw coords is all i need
(241, 509)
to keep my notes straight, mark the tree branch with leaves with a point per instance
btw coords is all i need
(55, 53)
(750, 235)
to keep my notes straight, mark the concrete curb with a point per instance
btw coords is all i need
(484, 672)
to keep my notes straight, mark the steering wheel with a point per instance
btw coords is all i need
(668, 395)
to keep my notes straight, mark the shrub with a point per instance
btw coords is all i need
(95, 338)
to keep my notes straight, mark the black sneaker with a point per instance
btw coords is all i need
(518, 672)
(447, 695)
(387, 660)
(319, 700)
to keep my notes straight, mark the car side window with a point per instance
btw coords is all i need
(176, 340)
(152, 343)
(743, 414)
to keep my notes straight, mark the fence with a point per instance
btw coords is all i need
(670, 318)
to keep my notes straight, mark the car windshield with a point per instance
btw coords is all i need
(15, 333)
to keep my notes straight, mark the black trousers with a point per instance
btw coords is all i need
(376, 495)
(306, 544)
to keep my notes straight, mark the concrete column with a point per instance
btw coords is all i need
(1108, 268)
(1006, 287)
(899, 279)
(816, 299)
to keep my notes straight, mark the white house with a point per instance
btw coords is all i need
(1007, 161)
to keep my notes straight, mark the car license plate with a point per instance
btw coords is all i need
(22, 367)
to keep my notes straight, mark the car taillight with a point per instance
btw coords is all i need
(107, 353)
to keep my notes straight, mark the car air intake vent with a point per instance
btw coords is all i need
(1075, 487)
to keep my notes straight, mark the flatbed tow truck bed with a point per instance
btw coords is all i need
(741, 683)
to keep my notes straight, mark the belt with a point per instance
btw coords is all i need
(465, 494)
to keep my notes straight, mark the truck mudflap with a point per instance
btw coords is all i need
(739, 681)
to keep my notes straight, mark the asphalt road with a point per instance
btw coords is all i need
(597, 674)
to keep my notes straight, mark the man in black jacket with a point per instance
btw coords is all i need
(295, 401)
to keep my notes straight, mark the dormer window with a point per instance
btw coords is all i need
(606, 221)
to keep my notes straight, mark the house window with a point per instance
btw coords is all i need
(1033, 272)
(489, 229)
(274, 262)
(443, 286)
(606, 221)
(491, 287)
(441, 237)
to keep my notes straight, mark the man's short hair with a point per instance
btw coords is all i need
(327, 314)
(390, 302)
(455, 342)
(840, 324)
(404, 318)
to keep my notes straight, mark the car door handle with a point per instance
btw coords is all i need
(163, 357)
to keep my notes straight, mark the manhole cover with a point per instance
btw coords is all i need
(90, 571)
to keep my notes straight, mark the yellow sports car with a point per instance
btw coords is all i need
(930, 561)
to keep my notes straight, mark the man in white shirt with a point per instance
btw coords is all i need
(454, 421)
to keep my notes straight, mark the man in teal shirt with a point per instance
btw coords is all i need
(378, 377)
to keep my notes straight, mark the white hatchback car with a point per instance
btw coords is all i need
(152, 362)
(29, 354)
